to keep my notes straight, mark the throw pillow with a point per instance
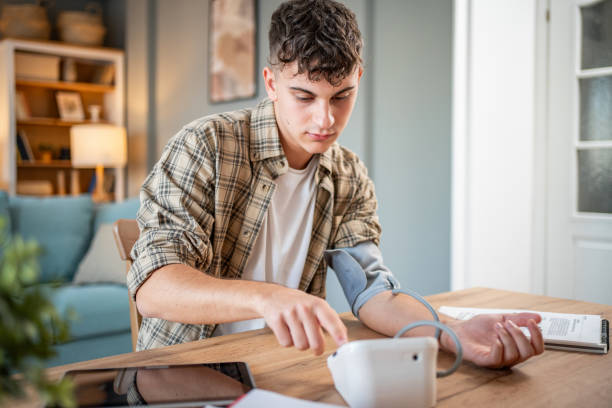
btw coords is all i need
(110, 212)
(60, 225)
(102, 262)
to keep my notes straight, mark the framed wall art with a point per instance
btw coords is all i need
(232, 50)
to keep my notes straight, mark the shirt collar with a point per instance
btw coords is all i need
(265, 141)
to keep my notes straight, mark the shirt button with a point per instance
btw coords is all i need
(264, 187)
(245, 232)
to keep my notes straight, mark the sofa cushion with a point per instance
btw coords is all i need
(4, 211)
(100, 308)
(110, 212)
(102, 262)
(60, 225)
(90, 348)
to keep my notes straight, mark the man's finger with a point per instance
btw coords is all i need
(521, 319)
(537, 341)
(523, 345)
(497, 354)
(511, 353)
(297, 331)
(332, 324)
(281, 331)
(313, 332)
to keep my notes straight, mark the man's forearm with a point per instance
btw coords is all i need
(387, 314)
(180, 293)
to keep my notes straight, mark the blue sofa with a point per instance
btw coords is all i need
(78, 251)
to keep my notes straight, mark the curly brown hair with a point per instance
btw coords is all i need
(321, 35)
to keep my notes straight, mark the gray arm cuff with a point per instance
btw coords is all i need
(361, 273)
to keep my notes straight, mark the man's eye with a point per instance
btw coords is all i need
(341, 97)
(304, 98)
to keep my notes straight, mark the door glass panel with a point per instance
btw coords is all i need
(597, 35)
(596, 108)
(595, 180)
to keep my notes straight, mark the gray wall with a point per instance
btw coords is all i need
(401, 125)
(412, 138)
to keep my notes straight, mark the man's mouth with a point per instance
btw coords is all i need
(320, 136)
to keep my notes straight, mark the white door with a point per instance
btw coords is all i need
(579, 200)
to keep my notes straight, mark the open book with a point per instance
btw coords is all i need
(561, 331)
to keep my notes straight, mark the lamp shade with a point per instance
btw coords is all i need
(98, 145)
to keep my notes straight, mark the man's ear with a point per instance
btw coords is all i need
(360, 74)
(270, 83)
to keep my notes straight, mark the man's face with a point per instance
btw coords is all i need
(310, 115)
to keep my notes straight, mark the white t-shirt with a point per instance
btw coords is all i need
(280, 249)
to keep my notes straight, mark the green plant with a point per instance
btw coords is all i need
(29, 325)
(43, 147)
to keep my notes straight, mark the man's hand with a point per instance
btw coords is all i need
(495, 340)
(193, 297)
(296, 318)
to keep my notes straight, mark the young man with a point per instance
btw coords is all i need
(245, 210)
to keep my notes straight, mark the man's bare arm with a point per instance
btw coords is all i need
(387, 314)
(182, 294)
(487, 340)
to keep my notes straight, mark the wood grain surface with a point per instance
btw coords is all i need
(555, 378)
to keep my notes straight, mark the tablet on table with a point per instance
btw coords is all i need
(187, 385)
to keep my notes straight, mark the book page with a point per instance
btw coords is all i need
(559, 327)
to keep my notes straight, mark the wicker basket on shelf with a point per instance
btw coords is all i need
(82, 27)
(25, 21)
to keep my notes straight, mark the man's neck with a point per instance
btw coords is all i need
(297, 160)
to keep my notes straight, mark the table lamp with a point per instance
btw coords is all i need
(98, 145)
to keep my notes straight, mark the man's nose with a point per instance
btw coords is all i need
(323, 116)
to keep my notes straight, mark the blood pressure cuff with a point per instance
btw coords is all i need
(361, 273)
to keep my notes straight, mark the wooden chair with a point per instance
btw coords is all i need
(126, 233)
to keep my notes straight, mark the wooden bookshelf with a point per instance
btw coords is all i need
(59, 164)
(66, 86)
(51, 122)
(39, 123)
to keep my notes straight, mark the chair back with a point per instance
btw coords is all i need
(126, 234)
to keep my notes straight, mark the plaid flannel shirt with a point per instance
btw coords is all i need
(203, 204)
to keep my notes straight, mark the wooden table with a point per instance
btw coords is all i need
(555, 378)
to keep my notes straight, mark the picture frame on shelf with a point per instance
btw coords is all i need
(70, 106)
(22, 108)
